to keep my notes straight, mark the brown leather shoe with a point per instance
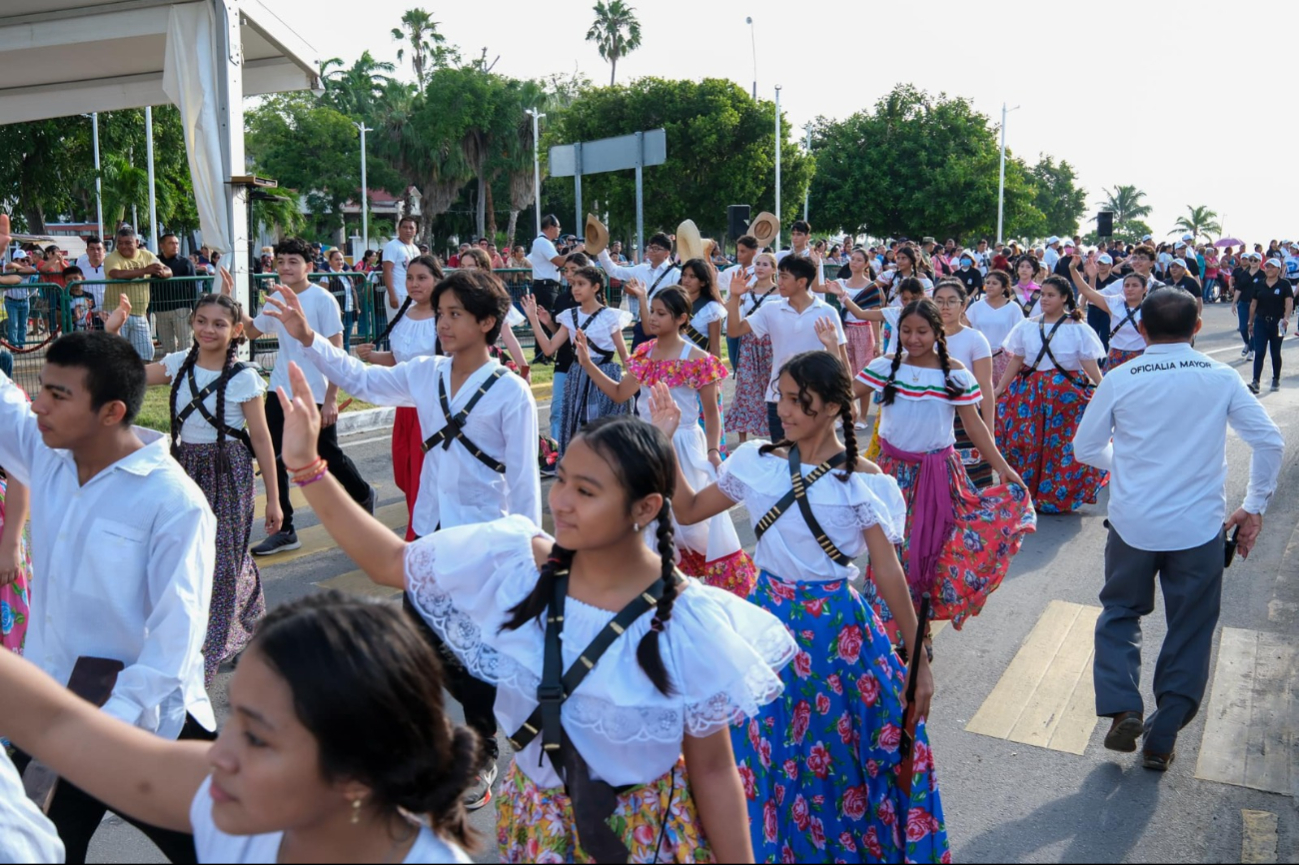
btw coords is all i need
(1157, 762)
(1124, 732)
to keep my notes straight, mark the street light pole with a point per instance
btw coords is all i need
(99, 184)
(778, 137)
(753, 40)
(1001, 183)
(153, 198)
(807, 195)
(365, 189)
(536, 164)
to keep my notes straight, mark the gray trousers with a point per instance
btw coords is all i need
(1191, 581)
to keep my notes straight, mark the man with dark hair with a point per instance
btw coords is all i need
(175, 301)
(655, 273)
(397, 254)
(293, 258)
(1158, 424)
(799, 235)
(546, 262)
(124, 543)
(92, 269)
(130, 260)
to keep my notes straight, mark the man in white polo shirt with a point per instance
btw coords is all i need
(92, 268)
(655, 272)
(397, 254)
(1159, 425)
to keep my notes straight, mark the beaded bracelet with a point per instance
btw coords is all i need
(299, 474)
(311, 480)
(294, 471)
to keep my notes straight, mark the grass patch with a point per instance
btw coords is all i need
(156, 414)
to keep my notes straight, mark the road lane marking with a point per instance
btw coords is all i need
(317, 540)
(358, 583)
(1258, 838)
(1251, 730)
(1046, 697)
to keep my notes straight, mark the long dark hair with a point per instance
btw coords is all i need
(702, 272)
(676, 301)
(643, 460)
(368, 688)
(821, 373)
(436, 269)
(1061, 285)
(928, 310)
(233, 309)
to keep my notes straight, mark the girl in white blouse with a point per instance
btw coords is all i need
(599, 753)
(337, 749)
(831, 737)
(970, 347)
(993, 315)
(218, 424)
(1124, 311)
(1047, 384)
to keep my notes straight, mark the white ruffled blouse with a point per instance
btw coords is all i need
(844, 509)
(722, 654)
(412, 338)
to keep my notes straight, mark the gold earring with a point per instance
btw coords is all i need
(356, 811)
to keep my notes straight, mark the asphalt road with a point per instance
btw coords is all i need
(1010, 801)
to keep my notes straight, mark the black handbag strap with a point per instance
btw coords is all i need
(554, 688)
(454, 429)
(761, 298)
(197, 397)
(798, 493)
(1129, 317)
(695, 336)
(598, 354)
(650, 292)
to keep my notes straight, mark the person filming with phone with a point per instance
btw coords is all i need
(1158, 424)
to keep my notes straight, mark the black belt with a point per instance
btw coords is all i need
(545, 282)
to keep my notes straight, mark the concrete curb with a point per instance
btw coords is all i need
(352, 422)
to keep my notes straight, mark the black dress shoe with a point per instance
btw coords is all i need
(1124, 732)
(1157, 762)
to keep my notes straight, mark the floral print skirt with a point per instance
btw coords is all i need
(1036, 422)
(734, 573)
(748, 411)
(237, 600)
(820, 765)
(990, 526)
(584, 402)
(1119, 356)
(537, 825)
(15, 598)
(861, 345)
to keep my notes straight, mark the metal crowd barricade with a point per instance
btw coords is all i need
(23, 354)
(168, 304)
(363, 317)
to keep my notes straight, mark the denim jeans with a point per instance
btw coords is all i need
(349, 320)
(6, 363)
(1242, 316)
(17, 310)
(1209, 284)
(557, 403)
(733, 352)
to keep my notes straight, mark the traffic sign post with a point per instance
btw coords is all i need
(637, 151)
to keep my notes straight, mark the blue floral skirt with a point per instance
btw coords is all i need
(584, 402)
(820, 765)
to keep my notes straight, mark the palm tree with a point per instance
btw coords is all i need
(428, 49)
(1125, 202)
(607, 32)
(1200, 221)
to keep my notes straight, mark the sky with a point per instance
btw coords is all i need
(1138, 96)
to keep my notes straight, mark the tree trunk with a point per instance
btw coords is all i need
(35, 215)
(509, 232)
(613, 69)
(490, 207)
(482, 206)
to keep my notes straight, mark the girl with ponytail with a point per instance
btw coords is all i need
(1047, 385)
(958, 539)
(216, 439)
(600, 768)
(844, 698)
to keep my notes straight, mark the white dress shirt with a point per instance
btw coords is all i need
(1158, 425)
(792, 332)
(26, 835)
(124, 570)
(90, 272)
(655, 278)
(543, 257)
(455, 487)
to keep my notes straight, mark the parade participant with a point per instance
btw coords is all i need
(1026, 291)
(890, 281)
(1100, 274)
(820, 764)
(747, 414)
(1122, 314)
(994, 315)
(519, 607)
(123, 542)
(707, 312)
(1135, 428)
(1179, 276)
(786, 323)
(15, 564)
(958, 540)
(865, 294)
(1243, 283)
(480, 424)
(583, 401)
(971, 348)
(26, 835)
(1269, 318)
(293, 257)
(296, 775)
(800, 232)
(1045, 396)
(746, 249)
(655, 272)
(1142, 261)
(218, 424)
(711, 550)
(476, 259)
(411, 333)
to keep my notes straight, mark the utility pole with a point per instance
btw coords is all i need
(153, 198)
(778, 137)
(536, 164)
(807, 196)
(365, 189)
(1001, 184)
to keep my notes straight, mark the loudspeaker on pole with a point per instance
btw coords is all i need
(1105, 224)
(737, 220)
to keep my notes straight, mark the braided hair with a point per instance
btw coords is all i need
(927, 310)
(642, 458)
(823, 374)
(436, 269)
(1065, 290)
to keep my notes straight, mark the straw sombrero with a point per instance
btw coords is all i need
(597, 236)
(764, 227)
(689, 243)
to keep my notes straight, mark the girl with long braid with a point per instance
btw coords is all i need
(411, 333)
(711, 550)
(595, 642)
(958, 539)
(1046, 388)
(971, 348)
(821, 765)
(218, 425)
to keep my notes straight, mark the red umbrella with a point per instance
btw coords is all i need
(1229, 241)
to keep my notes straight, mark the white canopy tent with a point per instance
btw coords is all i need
(67, 57)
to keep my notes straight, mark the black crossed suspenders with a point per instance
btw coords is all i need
(1083, 383)
(454, 430)
(196, 404)
(799, 494)
(1129, 317)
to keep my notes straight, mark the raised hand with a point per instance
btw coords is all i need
(118, 317)
(290, 313)
(581, 348)
(529, 304)
(301, 420)
(664, 411)
(634, 287)
(1092, 267)
(227, 282)
(833, 286)
(826, 332)
(739, 281)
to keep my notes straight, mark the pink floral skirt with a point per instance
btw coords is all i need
(748, 411)
(861, 345)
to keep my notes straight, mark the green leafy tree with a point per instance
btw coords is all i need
(1126, 203)
(917, 164)
(428, 47)
(615, 32)
(1060, 201)
(1199, 221)
(720, 151)
(355, 91)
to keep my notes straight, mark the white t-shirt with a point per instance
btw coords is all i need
(94, 290)
(243, 386)
(213, 845)
(792, 332)
(994, 324)
(401, 255)
(325, 319)
(601, 328)
(543, 257)
(968, 346)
